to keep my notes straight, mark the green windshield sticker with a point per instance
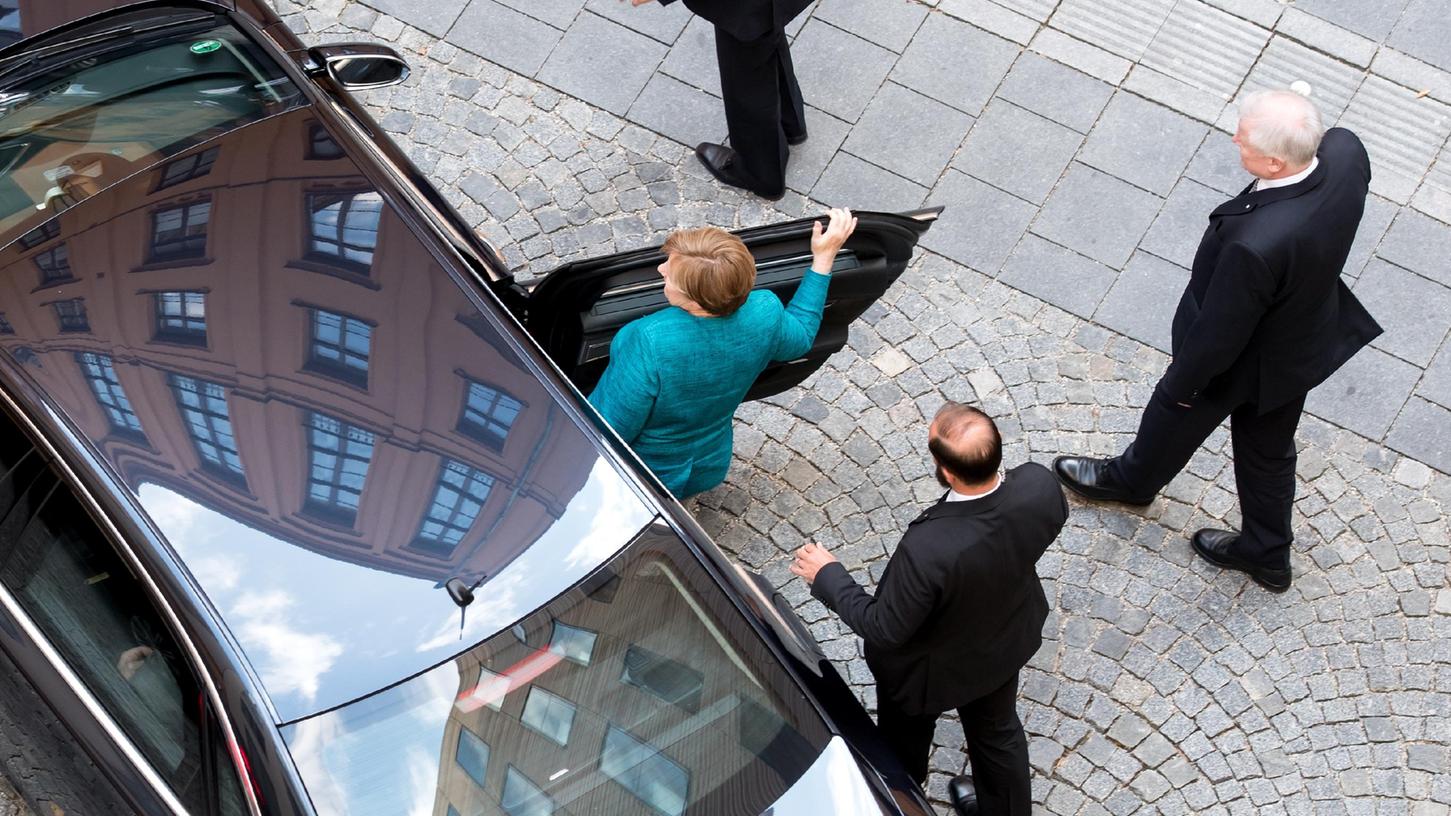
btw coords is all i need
(205, 46)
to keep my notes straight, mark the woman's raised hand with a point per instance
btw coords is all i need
(826, 243)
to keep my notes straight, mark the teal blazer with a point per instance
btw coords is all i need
(674, 380)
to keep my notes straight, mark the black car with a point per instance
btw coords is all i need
(302, 508)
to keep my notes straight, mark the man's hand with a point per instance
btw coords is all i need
(826, 243)
(810, 559)
(130, 660)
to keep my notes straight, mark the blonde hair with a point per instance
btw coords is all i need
(712, 267)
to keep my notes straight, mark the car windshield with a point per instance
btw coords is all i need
(639, 691)
(86, 107)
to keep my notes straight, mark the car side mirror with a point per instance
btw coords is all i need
(357, 66)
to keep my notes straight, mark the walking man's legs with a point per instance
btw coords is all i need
(754, 84)
(908, 735)
(998, 750)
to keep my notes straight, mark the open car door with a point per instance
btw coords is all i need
(575, 311)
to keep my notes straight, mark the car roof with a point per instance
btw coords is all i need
(313, 410)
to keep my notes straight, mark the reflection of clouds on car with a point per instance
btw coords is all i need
(294, 661)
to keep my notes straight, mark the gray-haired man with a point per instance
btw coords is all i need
(1265, 318)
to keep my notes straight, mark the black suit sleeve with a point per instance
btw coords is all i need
(1241, 290)
(902, 604)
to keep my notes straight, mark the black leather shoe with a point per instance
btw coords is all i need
(1217, 547)
(1091, 479)
(796, 139)
(963, 795)
(720, 161)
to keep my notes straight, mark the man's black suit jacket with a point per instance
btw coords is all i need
(746, 19)
(1265, 317)
(959, 609)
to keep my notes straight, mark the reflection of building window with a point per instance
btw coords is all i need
(54, 265)
(338, 457)
(320, 144)
(5, 327)
(203, 407)
(489, 691)
(343, 228)
(40, 234)
(457, 499)
(181, 317)
(667, 679)
(572, 643)
(651, 776)
(340, 346)
(472, 755)
(72, 315)
(488, 413)
(180, 233)
(101, 374)
(452, 811)
(550, 715)
(187, 168)
(522, 797)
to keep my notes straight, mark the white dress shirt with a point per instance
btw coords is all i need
(953, 495)
(1269, 184)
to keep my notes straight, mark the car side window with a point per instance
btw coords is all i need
(72, 583)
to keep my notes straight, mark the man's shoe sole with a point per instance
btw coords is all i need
(1239, 566)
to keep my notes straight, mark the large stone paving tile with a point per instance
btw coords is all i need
(851, 182)
(679, 111)
(954, 63)
(1017, 150)
(558, 13)
(1424, 32)
(480, 30)
(1143, 143)
(809, 160)
(1434, 197)
(1097, 215)
(1206, 48)
(1368, 19)
(839, 72)
(1423, 430)
(1216, 164)
(1401, 133)
(1373, 224)
(1436, 382)
(427, 15)
(1142, 301)
(1059, 276)
(886, 137)
(1060, 93)
(1332, 82)
(602, 63)
(1124, 27)
(1176, 233)
(1419, 243)
(885, 22)
(981, 224)
(1366, 394)
(692, 58)
(1414, 312)
(663, 23)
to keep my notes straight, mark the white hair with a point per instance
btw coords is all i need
(1282, 124)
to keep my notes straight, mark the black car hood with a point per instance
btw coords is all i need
(317, 415)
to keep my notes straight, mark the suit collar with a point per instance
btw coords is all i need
(1248, 201)
(959, 509)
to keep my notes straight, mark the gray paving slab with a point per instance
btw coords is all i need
(1434, 196)
(602, 63)
(678, 111)
(1366, 394)
(1419, 243)
(1424, 32)
(955, 63)
(1142, 301)
(1373, 20)
(1216, 164)
(558, 13)
(1017, 151)
(524, 50)
(1142, 143)
(1401, 133)
(1373, 224)
(851, 182)
(1413, 310)
(1086, 57)
(809, 160)
(1174, 94)
(888, 23)
(1057, 275)
(1435, 383)
(663, 23)
(1180, 226)
(1007, 23)
(1263, 12)
(1098, 215)
(426, 15)
(1406, 70)
(1123, 27)
(1067, 96)
(1323, 36)
(1423, 431)
(1206, 48)
(692, 57)
(887, 136)
(981, 224)
(839, 72)
(1333, 83)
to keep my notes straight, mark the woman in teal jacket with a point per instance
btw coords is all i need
(676, 377)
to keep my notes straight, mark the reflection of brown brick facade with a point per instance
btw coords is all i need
(270, 239)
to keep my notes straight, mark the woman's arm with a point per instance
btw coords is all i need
(627, 390)
(802, 317)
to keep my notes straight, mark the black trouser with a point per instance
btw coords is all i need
(1264, 463)
(996, 746)
(762, 103)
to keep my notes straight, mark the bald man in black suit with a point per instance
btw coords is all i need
(764, 111)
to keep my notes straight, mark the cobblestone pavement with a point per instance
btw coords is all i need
(1163, 686)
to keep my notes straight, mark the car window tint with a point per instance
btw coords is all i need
(64, 573)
